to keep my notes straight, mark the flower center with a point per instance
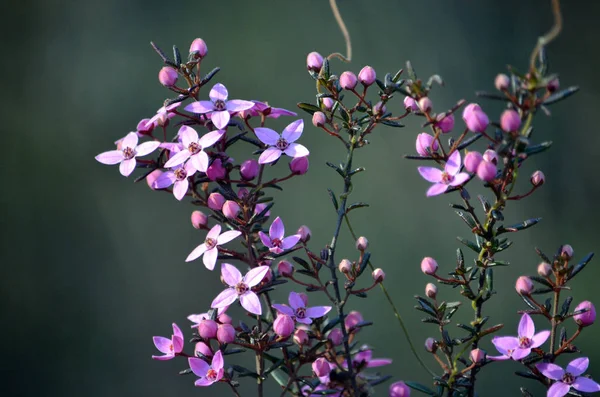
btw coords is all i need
(446, 178)
(211, 374)
(210, 243)
(524, 342)
(568, 378)
(180, 174)
(241, 288)
(171, 347)
(128, 153)
(194, 148)
(220, 105)
(282, 144)
(276, 242)
(301, 312)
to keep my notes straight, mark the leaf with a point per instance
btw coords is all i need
(559, 96)
(467, 142)
(355, 206)
(566, 306)
(333, 199)
(244, 371)
(434, 79)
(542, 255)
(363, 263)
(469, 244)
(331, 324)
(519, 226)
(391, 123)
(535, 149)
(579, 266)
(489, 95)
(484, 203)
(336, 168)
(301, 262)
(467, 218)
(309, 108)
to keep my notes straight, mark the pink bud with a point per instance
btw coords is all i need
(167, 76)
(491, 156)
(379, 108)
(430, 345)
(299, 165)
(378, 275)
(285, 269)
(475, 119)
(502, 82)
(367, 76)
(445, 123)
(567, 251)
(143, 128)
(327, 103)
(510, 120)
(587, 318)
(544, 269)
(321, 367)
(362, 243)
(429, 266)
(425, 104)
(152, 177)
(304, 233)
(410, 104)
(524, 285)
(242, 193)
(208, 329)
(348, 81)
(472, 161)
(352, 320)
(319, 119)
(399, 389)
(216, 170)
(199, 220)
(304, 298)
(224, 318)
(345, 266)
(538, 178)
(203, 349)
(249, 169)
(553, 85)
(424, 142)
(226, 333)
(198, 48)
(216, 201)
(477, 355)
(231, 209)
(283, 325)
(336, 336)
(301, 337)
(431, 290)
(314, 61)
(486, 171)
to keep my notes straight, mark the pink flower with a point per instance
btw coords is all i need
(425, 144)
(195, 148)
(208, 374)
(442, 180)
(127, 153)
(264, 109)
(571, 378)
(364, 359)
(275, 240)
(219, 108)
(299, 311)
(169, 347)
(162, 115)
(178, 177)
(240, 287)
(520, 347)
(280, 144)
(209, 248)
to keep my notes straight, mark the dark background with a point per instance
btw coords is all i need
(93, 265)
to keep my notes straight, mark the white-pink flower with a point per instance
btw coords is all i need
(442, 180)
(240, 288)
(208, 374)
(219, 109)
(209, 248)
(178, 177)
(127, 153)
(275, 240)
(169, 347)
(281, 144)
(163, 115)
(194, 148)
(298, 310)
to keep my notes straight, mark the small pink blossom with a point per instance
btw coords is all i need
(129, 150)
(519, 347)
(163, 115)
(569, 378)
(169, 347)
(264, 109)
(208, 374)
(178, 177)
(194, 148)
(442, 180)
(275, 240)
(299, 311)
(281, 144)
(364, 359)
(240, 288)
(219, 108)
(210, 247)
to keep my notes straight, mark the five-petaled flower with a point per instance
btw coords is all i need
(240, 287)
(569, 378)
(169, 347)
(219, 109)
(178, 177)
(280, 144)
(209, 248)
(298, 310)
(208, 374)
(127, 154)
(275, 240)
(520, 347)
(194, 148)
(442, 180)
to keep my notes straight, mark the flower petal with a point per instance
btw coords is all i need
(211, 138)
(317, 311)
(130, 140)
(200, 161)
(255, 276)
(204, 382)
(227, 236)
(266, 135)
(199, 367)
(220, 118)
(265, 239)
(558, 389)
(578, 366)
(551, 371)
(177, 344)
(188, 135)
(539, 339)
(225, 298)
(379, 362)
(250, 302)
(296, 150)
(200, 107)
(199, 250)
(237, 105)
(214, 232)
(277, 230)
(269, 155)
(178, 158)
(430, 174)
(295, 300)
(165, 180)
(162, 344)
(146, 148)
(306, 320)
(526, 327)
(284, 309)
(231, 275)
(218, 93)
(127, 166)
(217, 361)
(169, 356)
(504, 344)
(436, 189)
(292, 132)
(518, 354)
(111, 157)
(180, 188)
(210, 258)
(290, 241)
(453, 164)
(177, 331)
(460, 179)
(585, 385)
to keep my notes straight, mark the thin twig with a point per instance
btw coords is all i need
(342, 25)
(551, 35)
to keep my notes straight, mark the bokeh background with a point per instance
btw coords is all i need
(93, 265)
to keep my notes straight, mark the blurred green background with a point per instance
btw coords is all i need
(93, 265)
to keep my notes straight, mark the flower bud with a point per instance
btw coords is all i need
(208, 329)
(362, 243)
(425, 104)
(510, 120)
(304, 233)
(379, 108)
(553, 85)
(285, 269)
(327, 103)
(486, 171)
(203, 349)
(430, 345)
(216, 201)
(231, 209)
(431, 290)
(424, 142)
(144, 128)
(321, 367)
(348, 81)
(224, 318)
(226, 333)
(378, 275)
(491, 156)
(216, 170)
(502, 82)
(198, 48)
(472, 161)
(410, 104)
(477, 355)
(249, 169)
(538, 178)
(399, 389)
(566, 251)
(336, 336)
(367, 76)
(445, 123)
(429, 266)
(283, 325)
(475, 119)
(352, 320)
(199, 220)
(544, 269)
(314, 61)
(152, 177)
(587, 318)
(345, 266)
(300, 337)
(168, 76)
(524, 286)
(319, 119)
(299, 165)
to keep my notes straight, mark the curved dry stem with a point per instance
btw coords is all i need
(548, 37)
(344, 29)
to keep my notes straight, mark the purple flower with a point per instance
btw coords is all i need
(364, 359)
(163, 115)
(569, 378)
(127, 153)
(169, 347)
(195, 148)
(275, 240)
(262, 108)
(280, 144)
(219, 108)
(299, 311)
(209, 248)
(520, 347)
(240, 287)
(442, 180)
(208, 374)
(178, 177)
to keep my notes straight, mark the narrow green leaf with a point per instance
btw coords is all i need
(333, 199)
